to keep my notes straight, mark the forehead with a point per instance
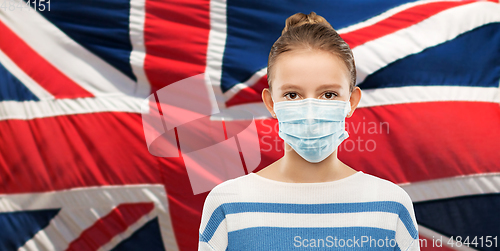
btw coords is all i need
(310, 69)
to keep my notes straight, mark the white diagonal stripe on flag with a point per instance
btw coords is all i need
(127, 233)
(86, 69)
(66, 226)
(95, 197)
(33, 86)
(442, 27)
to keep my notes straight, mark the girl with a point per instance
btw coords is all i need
(309, 198)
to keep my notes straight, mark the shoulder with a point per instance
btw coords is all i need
(229, 190)
(385, 190)
(231, 186)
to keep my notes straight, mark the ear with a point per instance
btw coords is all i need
(355, 98)
(268, 101)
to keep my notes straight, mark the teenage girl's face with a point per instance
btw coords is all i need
(300, 74)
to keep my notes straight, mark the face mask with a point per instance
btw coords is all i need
(314, 128)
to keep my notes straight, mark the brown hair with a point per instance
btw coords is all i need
(311, 32)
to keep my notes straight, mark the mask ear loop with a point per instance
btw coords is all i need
(348, 108)
(273, 106)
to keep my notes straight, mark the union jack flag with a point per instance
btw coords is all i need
(76, 172)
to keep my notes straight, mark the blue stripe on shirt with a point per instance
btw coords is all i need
(278, 238)
(241, 207)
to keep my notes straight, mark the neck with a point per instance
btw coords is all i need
(294, 168)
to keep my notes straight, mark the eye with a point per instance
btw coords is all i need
(291, 95)
(330, 95)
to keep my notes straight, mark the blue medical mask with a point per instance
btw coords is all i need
(314, 128)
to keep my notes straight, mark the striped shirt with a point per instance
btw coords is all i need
(359, 212)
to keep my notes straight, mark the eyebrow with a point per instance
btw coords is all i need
(321, 87)
(290, 86)
(333, 85)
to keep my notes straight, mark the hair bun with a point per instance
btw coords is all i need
(299, 19)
